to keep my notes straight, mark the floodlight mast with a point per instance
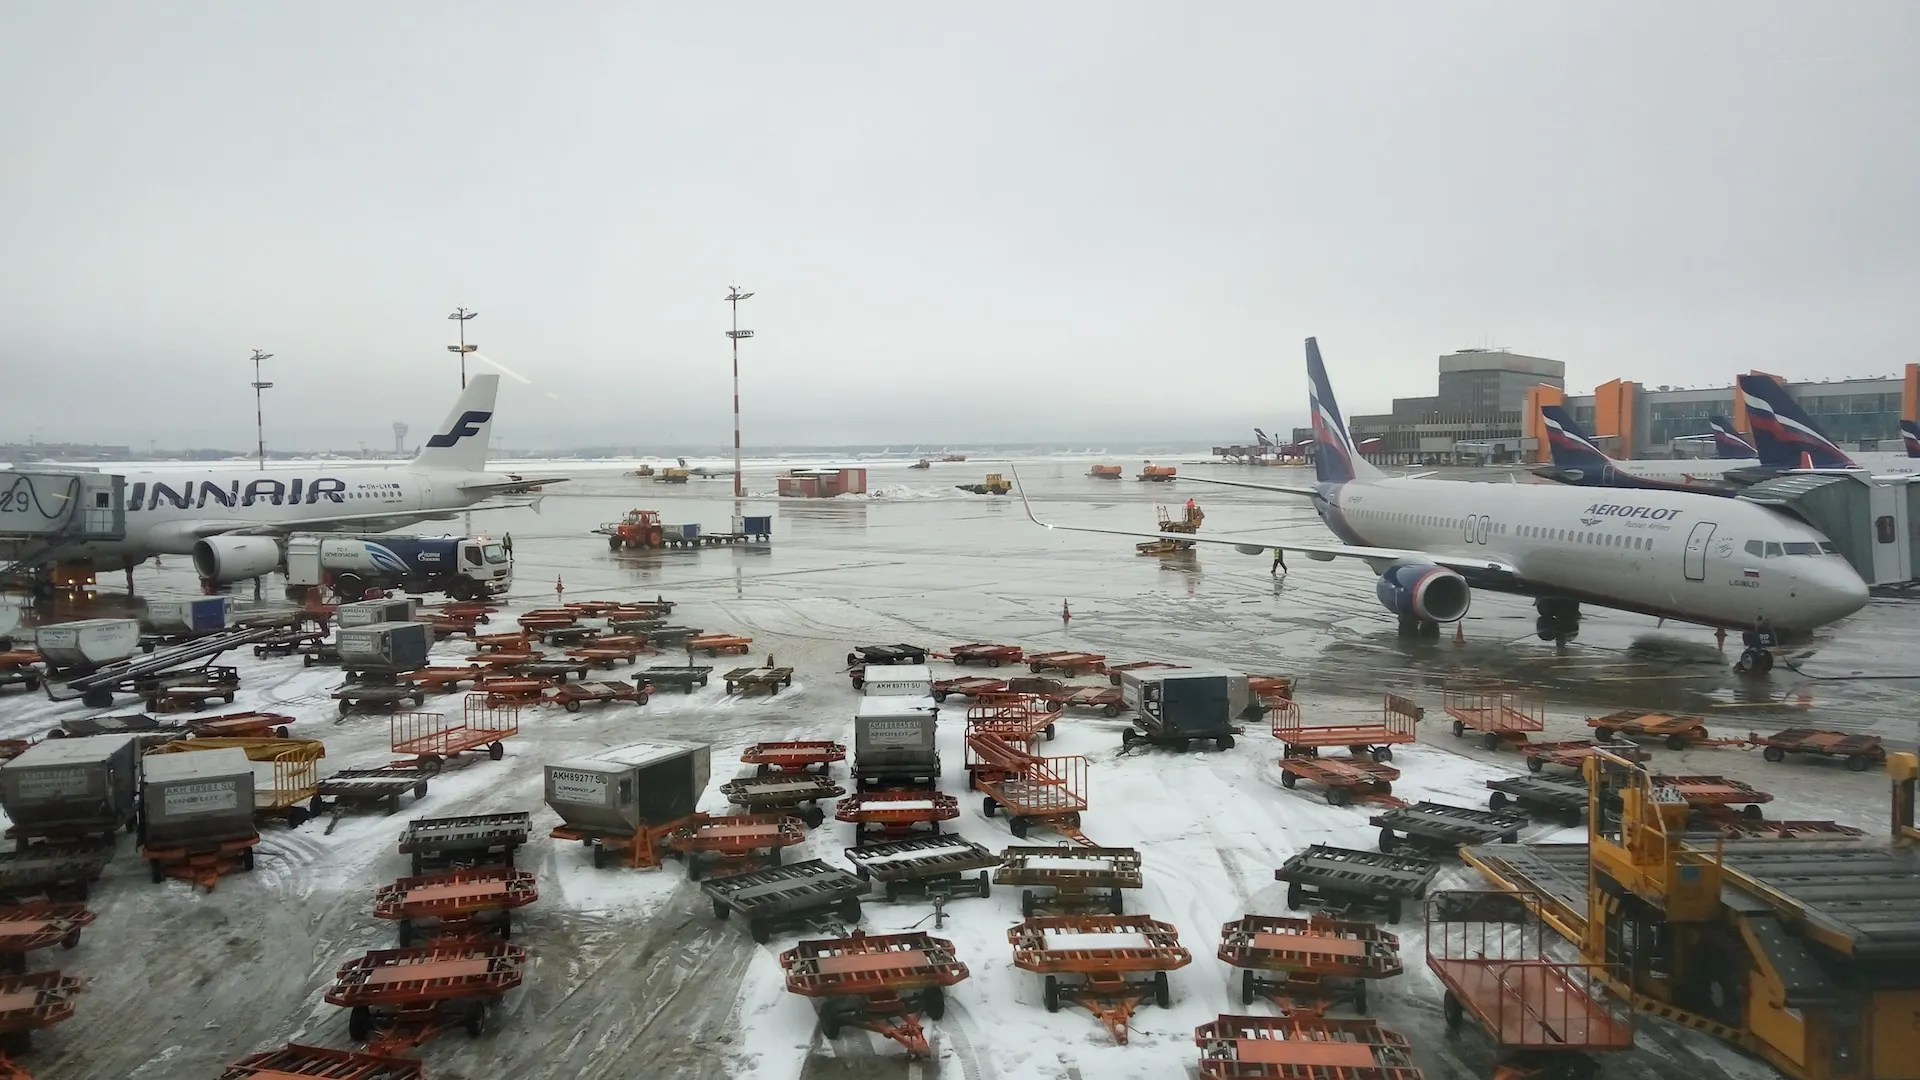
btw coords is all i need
(461, 315)
(734, 296)
(259, 416)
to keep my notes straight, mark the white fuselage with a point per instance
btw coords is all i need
(1683, 470)
(1670, 554)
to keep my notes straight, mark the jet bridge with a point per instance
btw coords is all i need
(45, 513)
(1874, 521)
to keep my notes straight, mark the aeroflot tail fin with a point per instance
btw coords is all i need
(459, 444)
(1910, 434)
(1571, 447)
(1785, 436)
(1727, 443)
(1335, 458)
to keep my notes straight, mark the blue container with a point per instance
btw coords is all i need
(197, 616)
(690, 531)
(759, 526)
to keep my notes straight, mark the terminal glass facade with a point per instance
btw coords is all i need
(1854, 418)
(1669, 420)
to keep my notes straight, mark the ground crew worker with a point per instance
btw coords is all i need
(1279, 563)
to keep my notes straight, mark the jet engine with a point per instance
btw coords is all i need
(227, 559)
(1424, 591)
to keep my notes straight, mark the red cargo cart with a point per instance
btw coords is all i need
(1395, 727)
(608, 651)
(1502, 717)
(1715, 794)
(769, 757)
(738, 843)
(1346, 780)
(1103, 698)
(1308, 965)
(716, 644)
(42, 924)
(293, 1061)
(1118, 962)
(895, 815)
(397, 999)
(971, 687)
(460, 906)
(511, 690)
(1679, 732)
(1572, 753)
(1861, 752)
(447, 625)
(244, 725)
(447, 678)
(876, 982)
(29, 1003)
(1067, 662)
(981, 652)
(574, 694)
(518, 641)
(429, 738)
(1302, 1047)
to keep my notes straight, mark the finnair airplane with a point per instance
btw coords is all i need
(1580, 463)
(1788, 438)
(228, 520)
(1669, 554)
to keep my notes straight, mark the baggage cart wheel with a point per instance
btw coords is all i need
(1224, 742)
(1246, 987)
(993, 661)
(599, 857)
(693, 866)
(1295, 896)
(1049, 732)
(1019, 826)
(1393, 909)
(1497, 801)
(813, 816)
(1180, 746)
(296, 814)
(1110, 711)
(246, 860)
(158, 872)
(1288, 780)
(939, 695)
(933, 1002)
(1356, 751)
(1387, 839)
(1490, 740)
(420, 790)
(1857, 763)
(1360, 997)
(496, 751)
(475, 1020)
(1677, 741)
(893, 891)
(1450, 1008)
(988, 806)
(1752, 812)
(720, 910)
(849, 909)
(1026, 903)
(428, 763)
(1127, 738)
(573, 706)
(346, 706)
(1162, 991)
(1051, 994)
(1603, 734)
(762, 932)
(1116, 899)
(1338, 796)
(404, 932)
(1459, 729)
(1774, 754)
(1534, 764)
(1383, 753)
(986, 885)
(359, 1023)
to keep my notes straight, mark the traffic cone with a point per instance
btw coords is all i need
(559, 586)
(1459, 634)
(1066, 614)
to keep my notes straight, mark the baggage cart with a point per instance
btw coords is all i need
(980, 652)
(454, 843)
(397, 999)
(318, 653)
(792, 757)
(294, 1061)
(1502, 717)
(766, 680)
(1572, 753)
(547, 667)
(1050, 792)
(1067, 662)
(640, 609)
(967, 687)
(879, 816)
(1679, 732)
(446, 625)
(606, 652)
(242, 725)
(876, 982)
(1342, 880)
(887, 654)
(446, 679)
(672, 637)
(1102, 698)
(457, 906)
(146, 729)
(1736, 828)
(1078, 878)
(564, 616)
(1398, 715)
(1560, 797)
(716, 644)
(1114, 671)
(1438, 825)
(1715, 794)
(1488, 949)
(1860, 752)
(430, 739)
(13, 748)
(641, 626)
(682, 677)
(1302, 1046)
(561, 637)
(500, 662)
(1018, 720)
(41, 924)
(187, 696)
(287, 642)
(512, 690)
(287, 788)
(783, 895)
(571, 696)
(28, 1003)
(795, 793)
(353, 789)
(1269, 687)
(515, 642)
(1308, 965)
(1345, 780)
(1116, 961)
(52, 871)
(378, 696)
(927, 865)
(741, 841)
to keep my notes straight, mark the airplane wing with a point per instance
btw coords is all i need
(514, 485)
(390, 519)
(1281, 488)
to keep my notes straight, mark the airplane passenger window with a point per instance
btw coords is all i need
(1773, 550)
(1756, 548)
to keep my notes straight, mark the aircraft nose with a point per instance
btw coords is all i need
(1837, 591)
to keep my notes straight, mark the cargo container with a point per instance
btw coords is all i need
(754, 526)
(893, 740)
(71, 787)
(897, 680)
(618, 792)
(1242, 705)
(87, 644)
(387, 646)
(199, 615)
(368, 612)
(192, 799)
(1175, 707)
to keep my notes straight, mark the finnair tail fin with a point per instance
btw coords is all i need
(1570, 446)
(460, 442)
(1265, 443)
(1727, 443)
(1335, 459)
(1910, 434)
(1785, 436)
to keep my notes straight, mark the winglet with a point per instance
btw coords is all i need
(1020, 485)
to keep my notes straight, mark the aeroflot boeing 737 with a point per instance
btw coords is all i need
(1671, 554)
(227, 520)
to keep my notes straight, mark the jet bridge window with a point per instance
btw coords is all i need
(1883, 529)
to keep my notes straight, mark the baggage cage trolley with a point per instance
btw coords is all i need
(1308, 965)
(1488, 949)
(879, 816)
(429, 739)
(471, 840)
(460, 906)
(877, 982)
(294, 1060)
(1435, 825)
(1302, 1046)
(397, 999)
(1343, 880)
(1109, 954)
(1502, 717)
(942, 866)
(734, 842)
(1398, 715)
(796, 793)
(802, 892)
(1345, 780)
(793, 757)
(1083, 879)
(30, 927)
(29, 1002)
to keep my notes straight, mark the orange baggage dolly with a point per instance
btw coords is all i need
(1502, 717)
(797, 793)
(981, 652)
(511, 690)
(973, 687)
(1067, 662)
(1083, 878)
(294, 1061)
(879, 816)
(610, 650)
(1571, 753)
(447, 679)
(397, 999)
(28, 1003)
(1679, 732)
(1398, 716)
(1861, 752)
(876, 982)
(574, 694)
(1108, 953)
(1319, 962)
(516, 641)
(1302, 1047)
(737, 843)
(28, 928)
(245, 725)
(1346, 780)
(788, 757)
(460, 905)
(429, 739)
(1713, 795)
(715, 644)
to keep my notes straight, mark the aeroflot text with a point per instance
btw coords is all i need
(1642, 513)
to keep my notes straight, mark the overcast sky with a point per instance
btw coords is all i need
(962, 223)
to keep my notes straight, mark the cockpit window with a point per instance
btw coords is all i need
(1828, 547)
(495, 553)
(1773, 550)
(1803, 548)
(1756, 549)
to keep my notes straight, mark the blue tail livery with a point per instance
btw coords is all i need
(1579, 462)
(1785, 436)
(1910, 434)
(1335, 459)
(1727, 443)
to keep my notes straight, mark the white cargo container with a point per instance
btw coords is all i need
(893, 741)
(898, 680)
(89, 643)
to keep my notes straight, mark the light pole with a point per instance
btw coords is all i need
(461, 315)
(259, 417)
(734, 296)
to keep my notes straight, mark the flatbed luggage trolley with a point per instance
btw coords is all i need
(379, 696)
(1716, 795)
(876, 982)
(397, 999)
(472, 840)
(767, 680)
(1489, 950)
(880, 655)
(1308, 965)
(1861, 752)
(682, 677)
(1398, 715)
(1109, 954)
(1437, 825)
(55, 871)
(716, 644)
(967, 687)
(1679, 732)
(783, 895)
(1302, 1046)
(741, 840)
(1067, 662)
(458, 906)
(1556, 796)
(981, 652)
(430, 739)
(929, 865)
(792, 757)
(351, 789)
(244, 725)
(1082, 878)
(797, 793)
(895, 815)
(42, 924)
(1572, 753)
(1502, 717)
(293, 1061)
(1346, 879)
(28, 1003)
(1345, 780)
(571, 696)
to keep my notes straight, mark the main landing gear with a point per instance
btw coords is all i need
(1559, 620)
(1421, 628)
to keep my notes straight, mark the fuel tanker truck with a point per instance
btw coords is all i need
(463, 567)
